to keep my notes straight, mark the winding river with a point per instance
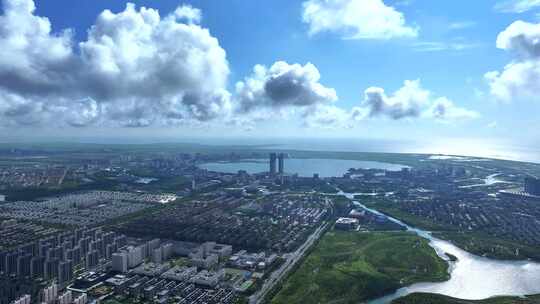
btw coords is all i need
(472, 277)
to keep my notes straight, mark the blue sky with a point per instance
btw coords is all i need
(452, 48)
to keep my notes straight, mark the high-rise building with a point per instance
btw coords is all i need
(51, 269)
(99, 246)
(55, 253)
(43, 249)
(65, 272)
(281, 163)
(120, 241)
(84, 244)
(74, 255)
(157, 255)
(92, 259)
(66, 298)
(49, 294)
(120, 262)
(24, 265)
(109, 250)
(37, 267)
(167, 251)
(25, 299)
(11, 262)
(273, 158)
(532, 185)
(136, 255)
(108, 237)
(82, 299)
(30, 248)
(151, 245)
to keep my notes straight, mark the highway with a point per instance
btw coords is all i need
(290, 260)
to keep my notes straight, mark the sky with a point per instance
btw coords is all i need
(380, 69)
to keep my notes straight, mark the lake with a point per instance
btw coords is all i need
(302, 166)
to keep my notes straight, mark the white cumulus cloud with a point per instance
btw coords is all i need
(189, 13)
(33, 60)
(521, 77)
(136, 68)
(283, 86)
(356, 19)
(409, 101)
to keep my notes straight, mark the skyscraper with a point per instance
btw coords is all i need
(273, 157)
(281, 163)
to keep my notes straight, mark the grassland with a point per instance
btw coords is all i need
(348, 267)
(426, 298)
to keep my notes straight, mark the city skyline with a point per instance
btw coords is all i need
(407, 70)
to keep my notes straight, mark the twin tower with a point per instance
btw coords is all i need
(280, 158)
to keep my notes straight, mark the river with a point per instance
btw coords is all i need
(472, 277)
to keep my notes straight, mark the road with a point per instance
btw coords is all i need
(290, 260)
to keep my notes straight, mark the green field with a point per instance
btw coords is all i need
(426, 298)
(349, 267)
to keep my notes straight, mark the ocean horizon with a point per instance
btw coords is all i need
(463, 147)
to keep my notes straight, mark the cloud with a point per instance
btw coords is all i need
(189, 13)
(409, 101)
(281, 87)
(17, 110)
(461, 25)
(516, 6)
(33, 61)
(82, 112)
(315, 110)
(136, 68)
(177, 70)
(356, 19)
(445, 109)
(437, 46)
(405, 102)
(521, 77)
(521, 38)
